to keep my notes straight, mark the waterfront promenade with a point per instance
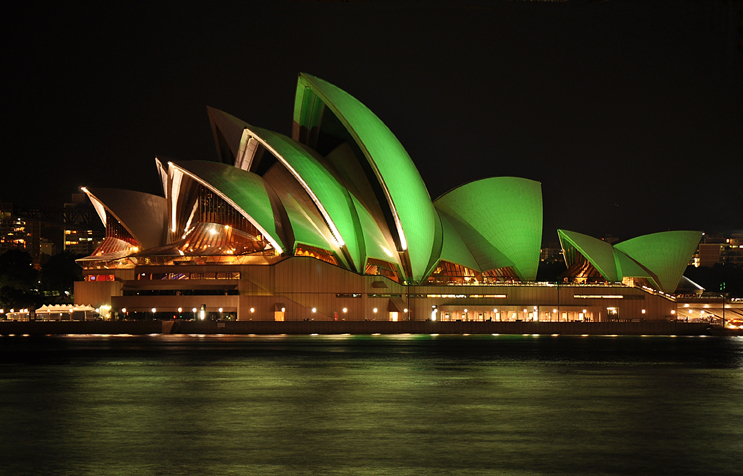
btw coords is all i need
(360, 327)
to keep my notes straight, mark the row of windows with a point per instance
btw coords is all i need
(182, 292)
(182, 276)
(453, 296)
(461, 296)
(358, 295)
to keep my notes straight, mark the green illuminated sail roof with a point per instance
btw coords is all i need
(504, 213)
(666, 254)
(407, 198)
(329, 196)
(598, 252)
(246, 192)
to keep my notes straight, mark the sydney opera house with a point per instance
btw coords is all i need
(335, 223)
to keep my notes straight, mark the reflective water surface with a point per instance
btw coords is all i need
(390, 405)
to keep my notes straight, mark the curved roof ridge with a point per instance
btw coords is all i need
(245, 191)
(327, 193)
(481, 179)
(407, 197)
(598, 252)
(143, 215)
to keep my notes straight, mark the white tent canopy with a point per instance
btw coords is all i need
(63, 308)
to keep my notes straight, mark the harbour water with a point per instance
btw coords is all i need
(389, 405)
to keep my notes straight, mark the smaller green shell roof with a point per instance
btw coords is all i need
(330, 197)
(245, 191)
(599, 253)
(408, 199)
(666, 254)
(505, 213)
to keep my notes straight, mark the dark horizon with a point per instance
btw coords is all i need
(629, 113)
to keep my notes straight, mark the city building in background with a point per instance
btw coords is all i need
(15, 234)
(336, 223)
(719, 249)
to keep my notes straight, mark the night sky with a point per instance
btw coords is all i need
(630, 113)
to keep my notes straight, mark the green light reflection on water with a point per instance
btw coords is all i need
(373, 405)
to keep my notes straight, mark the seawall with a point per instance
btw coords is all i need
(360, 327)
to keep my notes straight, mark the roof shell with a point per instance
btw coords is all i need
(666, 254)
(598, 252)
(229, 128)
(143, 215)
(504, 213)
(330, 197)
(245, 191)
(407, 196)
